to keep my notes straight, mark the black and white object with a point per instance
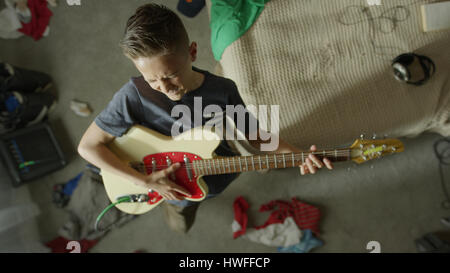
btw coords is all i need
(406, 68)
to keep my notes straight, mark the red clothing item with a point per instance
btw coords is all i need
(305, 215)
(240, 207)
(40, 18)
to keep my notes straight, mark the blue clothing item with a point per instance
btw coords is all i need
(11, 103)
(70, 186)
(307, 243)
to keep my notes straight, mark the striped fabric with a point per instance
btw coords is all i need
(305, 216)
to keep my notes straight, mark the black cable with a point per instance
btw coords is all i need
(442, 152)
(394, 15)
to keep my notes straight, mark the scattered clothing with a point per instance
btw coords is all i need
(62, 192)
(284, 226)
(305, 215)
(23, 11)
(230, 20)
(307, 243)
(9, 22)
(239, 224)
(281, 234)
(40, 18)
(80, 108)
(87, 201)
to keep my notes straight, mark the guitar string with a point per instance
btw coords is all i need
(269, 156)
(297, 157)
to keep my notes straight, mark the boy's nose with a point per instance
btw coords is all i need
(165, 86)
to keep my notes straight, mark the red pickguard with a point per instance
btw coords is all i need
(181, 176)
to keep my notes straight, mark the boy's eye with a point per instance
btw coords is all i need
(169, 77)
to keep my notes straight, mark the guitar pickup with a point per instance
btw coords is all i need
(153, 165)
(169, 163)
(188, 169)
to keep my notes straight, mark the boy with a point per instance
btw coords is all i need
(157, 43)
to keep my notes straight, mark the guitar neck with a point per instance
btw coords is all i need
(237, 164)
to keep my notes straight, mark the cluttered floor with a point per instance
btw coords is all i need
(393, 201)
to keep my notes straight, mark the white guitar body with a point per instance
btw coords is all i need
(140, 142)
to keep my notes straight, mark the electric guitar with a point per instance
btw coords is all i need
(147, 151)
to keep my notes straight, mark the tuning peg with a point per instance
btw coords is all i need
(361, 136)
(374, 136)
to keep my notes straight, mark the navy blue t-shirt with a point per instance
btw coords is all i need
(152, 109)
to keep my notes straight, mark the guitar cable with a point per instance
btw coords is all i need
(130, 198)
(123, 199)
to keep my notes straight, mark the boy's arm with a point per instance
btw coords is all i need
(93, 148)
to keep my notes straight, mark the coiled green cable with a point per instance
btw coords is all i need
(100, 216)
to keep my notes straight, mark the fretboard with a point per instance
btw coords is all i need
(237, 164)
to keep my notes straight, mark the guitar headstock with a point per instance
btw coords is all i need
(363, 150)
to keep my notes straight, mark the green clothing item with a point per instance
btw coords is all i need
(230, 19)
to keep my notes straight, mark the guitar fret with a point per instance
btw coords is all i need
(267, 161)
(284, 161)
(204, 167)
(275, 159)
(240, 166)
(234, 165)
(293, 162)
(214, 165)
(260, 166)
(217, 161)
(229, 167)
(253, 163)
(223, 164)
(209, 166)
(197, 169)
(303, 159)
(335, 153)
(246, 164)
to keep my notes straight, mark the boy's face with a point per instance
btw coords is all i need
(170, 74)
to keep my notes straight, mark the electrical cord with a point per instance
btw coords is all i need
(100, 216)
(442, 152)
(389, 17)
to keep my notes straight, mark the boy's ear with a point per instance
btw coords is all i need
(193, 51)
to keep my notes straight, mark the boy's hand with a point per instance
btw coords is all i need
(312, 162)
(159, 182)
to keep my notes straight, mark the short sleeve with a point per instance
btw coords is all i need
(121, 112)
